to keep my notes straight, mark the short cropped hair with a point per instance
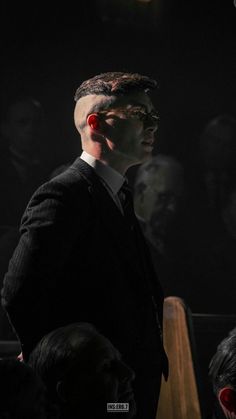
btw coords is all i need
(115, 83)
(55, 354)
(222, 368)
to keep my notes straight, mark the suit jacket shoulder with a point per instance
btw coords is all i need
(67, 193)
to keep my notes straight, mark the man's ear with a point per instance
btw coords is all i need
(93, 121)
(227, 399)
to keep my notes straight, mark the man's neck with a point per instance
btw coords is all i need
(113, 159)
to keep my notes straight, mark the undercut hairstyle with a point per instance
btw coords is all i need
(54, 356)
(222, 367)
(115, 83)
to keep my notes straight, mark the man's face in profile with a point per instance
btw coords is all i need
(98, 377)
(130, 125)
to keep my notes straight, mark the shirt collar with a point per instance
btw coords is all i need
(110, 176)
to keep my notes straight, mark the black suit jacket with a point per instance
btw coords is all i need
(77, 260)
(14, 192)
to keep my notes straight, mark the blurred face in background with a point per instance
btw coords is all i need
(23, 127)
(158, 197)
(229, 214)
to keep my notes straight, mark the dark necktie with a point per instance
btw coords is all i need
(126, 199)
(142, 254)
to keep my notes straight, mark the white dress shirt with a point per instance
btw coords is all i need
(111, 179)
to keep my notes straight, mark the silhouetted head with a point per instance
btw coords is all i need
(218, 157)
(83, 372)
(23, 124)
(218, 143)
(22, 393)
(222, 372)
(116, 118)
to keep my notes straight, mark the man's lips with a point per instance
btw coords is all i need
(148, 141)
(147, 144)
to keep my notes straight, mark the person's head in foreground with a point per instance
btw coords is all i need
(222, 372)
(22, 394)
(83, 372)
(116, 118)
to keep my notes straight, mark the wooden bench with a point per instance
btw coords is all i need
(179, 398)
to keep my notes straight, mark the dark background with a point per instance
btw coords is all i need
(188, 46)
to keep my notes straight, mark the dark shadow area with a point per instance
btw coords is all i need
(188, 47)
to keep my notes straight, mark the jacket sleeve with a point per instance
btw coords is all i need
(52, 222)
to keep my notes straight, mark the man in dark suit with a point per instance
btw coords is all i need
(82, 255)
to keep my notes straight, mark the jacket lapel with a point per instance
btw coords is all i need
(111, 218)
